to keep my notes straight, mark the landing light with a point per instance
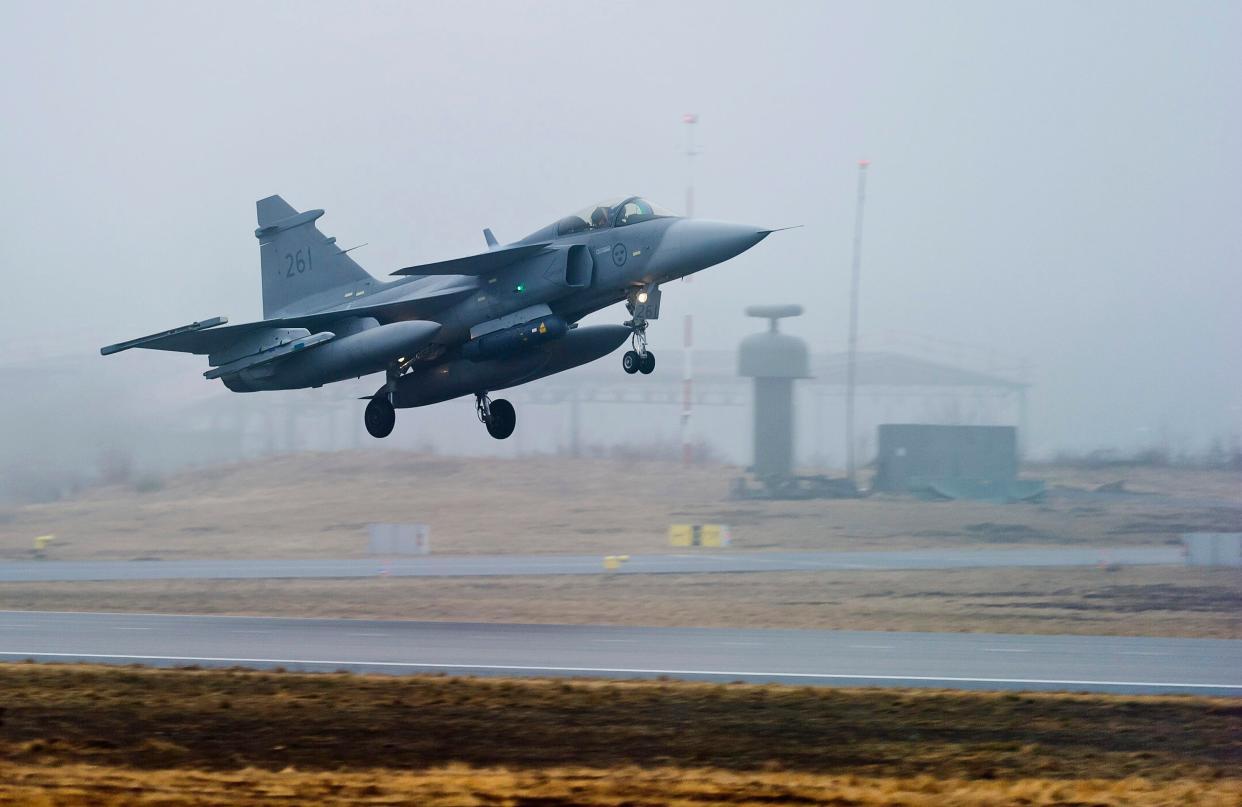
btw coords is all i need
(642, 297)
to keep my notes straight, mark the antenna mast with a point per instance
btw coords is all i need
(850, 371)
(690, 119)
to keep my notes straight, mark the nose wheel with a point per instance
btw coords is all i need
(635, 362)
(498, 416)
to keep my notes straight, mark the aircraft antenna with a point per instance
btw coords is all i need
(850, 370)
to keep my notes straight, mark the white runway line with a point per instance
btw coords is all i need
(822, 565)
(416, 665)
(1140, 653)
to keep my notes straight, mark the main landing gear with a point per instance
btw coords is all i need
(498, 416)
(640, 359)
(379, 417)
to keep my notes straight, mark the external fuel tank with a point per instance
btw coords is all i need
(463, 376)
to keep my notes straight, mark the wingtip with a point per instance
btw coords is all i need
(212, 322)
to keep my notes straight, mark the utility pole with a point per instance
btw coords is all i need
(851, 369)
(575, 444)
(690, 119)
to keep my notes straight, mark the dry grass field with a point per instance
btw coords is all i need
(75, 735)
(317, 505)
(1138, 601)
(465, 786)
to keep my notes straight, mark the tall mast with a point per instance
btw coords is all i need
(690, 119)
(851, 369)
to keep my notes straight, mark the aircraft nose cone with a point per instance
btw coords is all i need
(706, 243)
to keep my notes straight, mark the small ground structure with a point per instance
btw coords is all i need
(953, 462)
(398, 539)
(1213, 548)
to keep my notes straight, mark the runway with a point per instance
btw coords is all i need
(698, 561)
(821, 658)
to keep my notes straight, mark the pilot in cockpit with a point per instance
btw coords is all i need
(599, 218)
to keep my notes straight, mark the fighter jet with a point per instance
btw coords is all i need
(465, 326)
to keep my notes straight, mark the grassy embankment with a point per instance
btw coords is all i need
(88, 735)
(1138, 601)
(315, 505)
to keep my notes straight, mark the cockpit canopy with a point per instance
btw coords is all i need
(611, 213)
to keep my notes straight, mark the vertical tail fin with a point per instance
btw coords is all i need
(303, 270)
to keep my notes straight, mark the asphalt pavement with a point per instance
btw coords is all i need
(689, 562)
(823, 658)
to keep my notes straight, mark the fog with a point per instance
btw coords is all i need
(1055, 189)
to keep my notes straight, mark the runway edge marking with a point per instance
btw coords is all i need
(23, 655)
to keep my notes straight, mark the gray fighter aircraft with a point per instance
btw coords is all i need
(466, 326)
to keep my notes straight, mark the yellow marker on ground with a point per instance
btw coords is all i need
(613, 562)
(715, 535)
(681, 535)
(41, 542)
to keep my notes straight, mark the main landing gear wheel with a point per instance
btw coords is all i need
(379, 417)
(503, 421)
(646, 363)
(498, 416)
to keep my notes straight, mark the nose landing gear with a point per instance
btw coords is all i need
(643, 303)
(498, 416)
(640, 359)
(635, 362)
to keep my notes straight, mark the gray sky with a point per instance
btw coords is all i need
(1053, 182)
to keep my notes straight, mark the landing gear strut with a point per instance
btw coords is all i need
(498, 416)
